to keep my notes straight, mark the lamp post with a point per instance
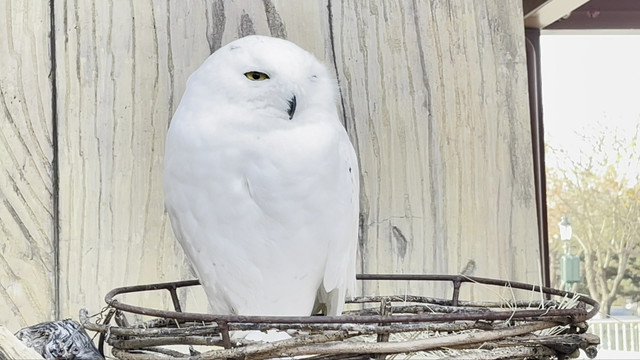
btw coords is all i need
(565, 233)
(569, 264)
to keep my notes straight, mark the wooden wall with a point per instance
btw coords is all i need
(27, 239)
(433, 94)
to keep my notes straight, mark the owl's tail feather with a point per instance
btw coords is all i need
(329, 303)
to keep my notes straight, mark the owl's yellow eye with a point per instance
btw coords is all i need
(256, 76)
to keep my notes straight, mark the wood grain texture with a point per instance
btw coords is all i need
(26, 216)
(433, 94)
(116, 69)
(123, 68)
(13, 349)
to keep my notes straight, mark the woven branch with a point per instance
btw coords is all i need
(168, 340)
(511, 353)
(420, 309)
(444, 302)
(409, 325)
(279, 347)
(412, 346)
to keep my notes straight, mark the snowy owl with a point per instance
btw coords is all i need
(261, 182)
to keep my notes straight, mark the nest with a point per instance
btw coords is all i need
(552, 327)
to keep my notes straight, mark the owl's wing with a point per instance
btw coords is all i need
(340, 274)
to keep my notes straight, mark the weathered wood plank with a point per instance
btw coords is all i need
(122, 69)
(116, 70)
(435, 96)
(26, 153)
(13, 349)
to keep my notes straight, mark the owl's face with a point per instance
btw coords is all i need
(270, 77)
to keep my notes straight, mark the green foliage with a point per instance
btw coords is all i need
(599, 189)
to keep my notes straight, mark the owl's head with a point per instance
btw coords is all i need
(269, 76)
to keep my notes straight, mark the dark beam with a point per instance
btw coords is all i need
(599, 19)
(529, 6)
(549, 12)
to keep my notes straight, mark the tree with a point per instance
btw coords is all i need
(599, 190)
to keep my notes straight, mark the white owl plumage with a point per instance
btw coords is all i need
(261, 182)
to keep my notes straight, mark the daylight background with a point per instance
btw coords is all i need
(591, 104)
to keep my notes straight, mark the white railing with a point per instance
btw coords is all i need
(617, 334)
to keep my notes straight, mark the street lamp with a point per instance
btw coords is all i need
(565, 229)
(569, 264)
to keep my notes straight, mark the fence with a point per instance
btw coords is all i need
(617, 334)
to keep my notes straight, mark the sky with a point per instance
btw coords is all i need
(589, 82)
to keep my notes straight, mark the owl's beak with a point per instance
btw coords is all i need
(292, 107)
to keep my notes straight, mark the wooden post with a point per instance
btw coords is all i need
(27, 241)
(433, 94)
